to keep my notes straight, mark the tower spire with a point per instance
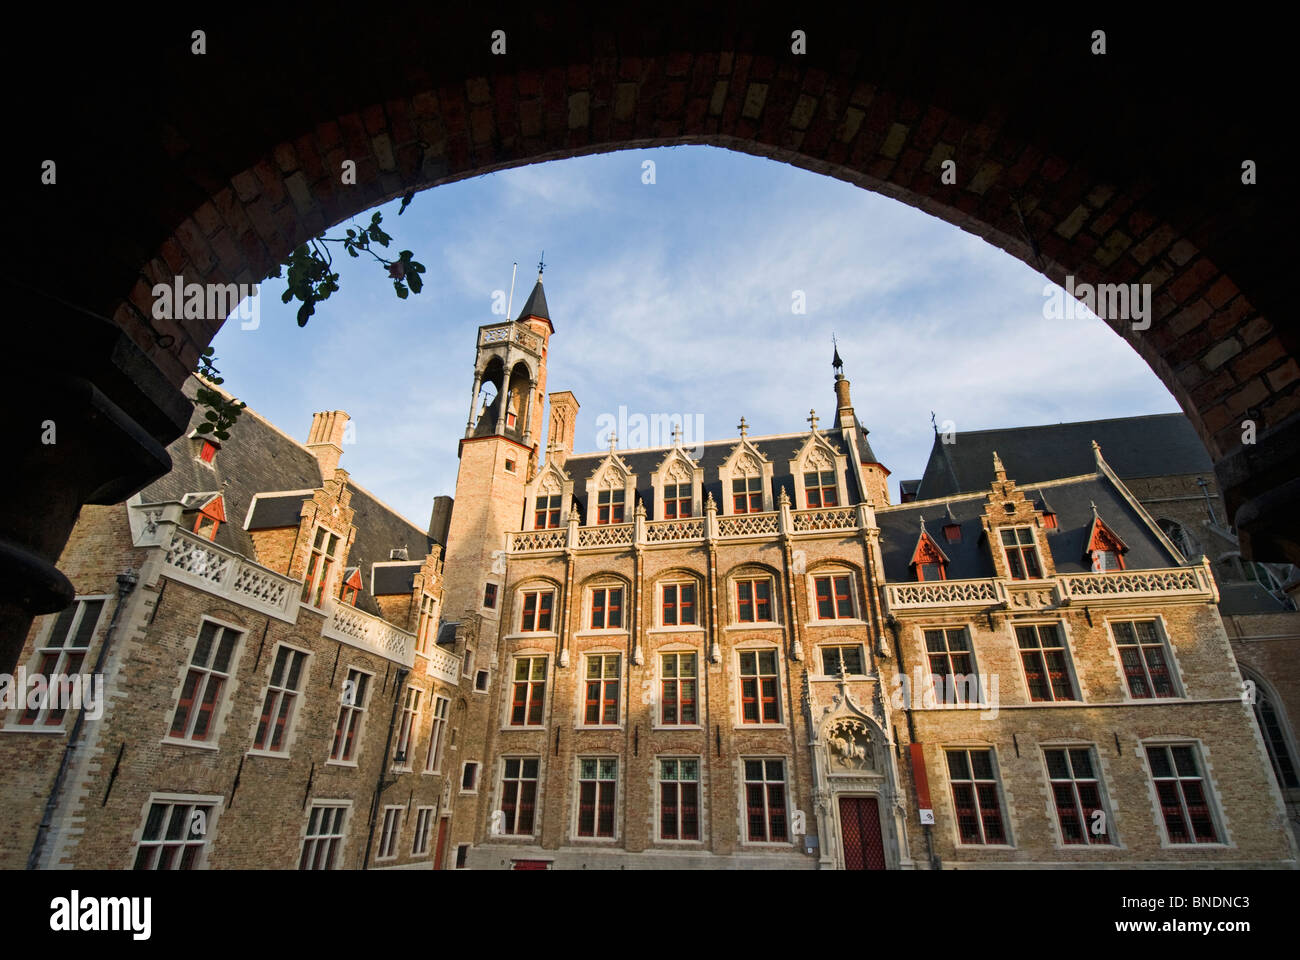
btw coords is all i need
(836, 363)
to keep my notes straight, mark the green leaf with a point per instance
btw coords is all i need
(401, 290)
(406, 199)
(203, 428)
(415, 282)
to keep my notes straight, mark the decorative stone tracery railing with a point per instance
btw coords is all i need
(1093, 589)
(203, 564)
(642, 532)
(442, 665)
(357, 628)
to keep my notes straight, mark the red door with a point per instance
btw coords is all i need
(860, 833)
(442, 843)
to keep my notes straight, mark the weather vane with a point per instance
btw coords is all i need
(541, 264)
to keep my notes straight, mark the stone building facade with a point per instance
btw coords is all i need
(737, 654)
(272, 693)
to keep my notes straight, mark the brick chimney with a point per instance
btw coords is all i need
(564, 421)
(325, 440)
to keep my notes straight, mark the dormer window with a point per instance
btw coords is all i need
(319, 566)
(1104, 546)
(511, 420)
(609, 506)
(209, 517)
(677, 500)
(820, 489)
(929, 562)
(1022, 553)
(208, 452)
(547, 514)
(931, 571)
(747, 495)
(351, 586)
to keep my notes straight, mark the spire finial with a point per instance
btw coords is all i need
(743, 427)
(812, 420)
(677, 434)
(613, 442)
(999, 470)
(541, 265)
(836, 362)
(933, 422)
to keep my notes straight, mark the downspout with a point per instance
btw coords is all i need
(379, 784)
(125, 584)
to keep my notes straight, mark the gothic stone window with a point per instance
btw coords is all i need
(175, 834)
(609, 506)
(1145, 659)
(1021, 553)
(529, 692)
(281, 699)
(765, 811)
(679, 798)
(547, 514)
(205, 682)
(352, 710)
(61, 655)
(606, 605)
(834, 596)
(819, 488)
(677, 605)
(1180, 788)
(537, 611)
(754, 600)
(519, 795)
(678, 690)
(952, 664)
(847, 657)
(1076, 790)
(759, 686)
(603, 672)
(1046, 661)
(975, 797)
(597, 790)
(319, 565)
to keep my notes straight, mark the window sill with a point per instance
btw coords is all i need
(606, 841)
(759, 726)
(669, 727)
(602, 632)
(31, 728)
(761, 625)
(985, 846)
(274, 754)
(822, 677)
(840, 622)
(348, 764)
(689, 628)
(532, 635)
(599, 726)
(191, 744)
(524, 727)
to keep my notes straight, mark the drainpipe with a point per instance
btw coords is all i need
(125, 584)
(383, 766)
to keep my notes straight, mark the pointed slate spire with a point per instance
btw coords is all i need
(535, 305)
(836, 362)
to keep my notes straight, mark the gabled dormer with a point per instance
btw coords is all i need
(928, 562)
(549, 498)
(1104, 548)
(1015, 530)
(611, 491)
(205, 511)
(351, 586)
(678, 484)
(819, 472)
(746, 477)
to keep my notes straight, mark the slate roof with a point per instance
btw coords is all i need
(1148, 446)
(900, 526)
(779, 450)
(397, 577)
(535, 305)
(258, 458)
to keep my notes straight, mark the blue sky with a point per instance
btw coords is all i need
(676, 297)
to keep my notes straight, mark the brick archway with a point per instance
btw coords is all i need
(1077, 164)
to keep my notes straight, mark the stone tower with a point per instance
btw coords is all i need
(498, 455)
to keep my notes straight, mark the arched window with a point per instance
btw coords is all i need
(1277, 735)
(1182, 538)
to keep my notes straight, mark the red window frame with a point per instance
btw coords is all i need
(1046, 664)
(950, 654)
(1021, 553)
(519, 795)
(528, 698)
(597, 794)
(546, 516)
(352, 708)
(834, 597)
(1176, 773)
(1144, 658)
(209, 670)
(1076, 791)
(747, 495)
(609, 506)
(604, 672)
(679, 798)
(759, 685)
(677, 501)
(281, 698)
(208, 452)
(821, 489)
(975, 797)
(754, 600)
(765, 797)
(319, 565)
(678, 605)
(538, 606)
(679, 689)
(606, 608)
(490, 596)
